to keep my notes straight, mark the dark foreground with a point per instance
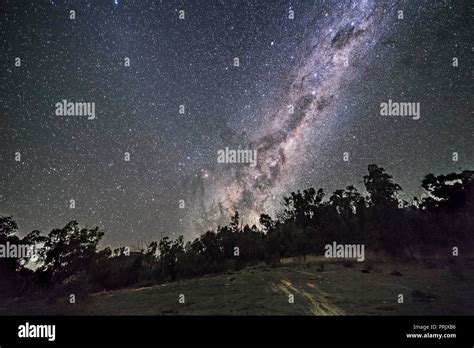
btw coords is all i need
(319, 287)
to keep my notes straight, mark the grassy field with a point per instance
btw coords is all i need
(320, 287)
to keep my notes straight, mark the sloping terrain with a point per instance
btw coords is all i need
(319, 287)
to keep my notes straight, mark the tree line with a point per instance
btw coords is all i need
(68, 259)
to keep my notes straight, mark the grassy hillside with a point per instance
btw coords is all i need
(320, 287)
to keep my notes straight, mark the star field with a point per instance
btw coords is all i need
(335, 62)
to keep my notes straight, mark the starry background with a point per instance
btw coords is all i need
(190, 62)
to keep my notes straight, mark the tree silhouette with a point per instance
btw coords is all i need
(69, 250)
(307, 222)
(380, 186)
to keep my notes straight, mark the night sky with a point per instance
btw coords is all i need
(335, 63)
